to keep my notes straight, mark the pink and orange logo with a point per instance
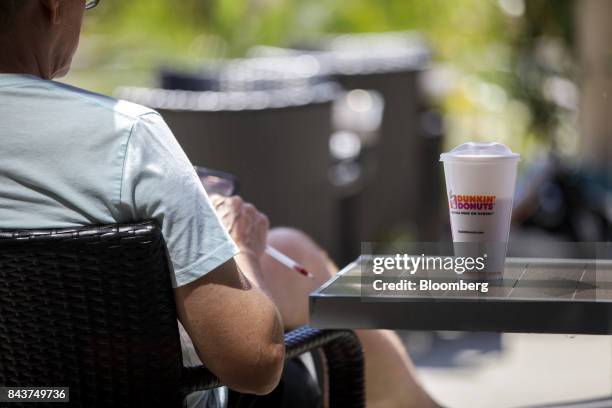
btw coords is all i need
(471, 202)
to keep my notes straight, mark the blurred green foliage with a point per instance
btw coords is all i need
(543, 48)
(492, 53)
(128, 40)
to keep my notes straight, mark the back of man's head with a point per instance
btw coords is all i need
(39, 37)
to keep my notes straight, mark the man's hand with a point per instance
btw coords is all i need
(249, 230)
(247, 226)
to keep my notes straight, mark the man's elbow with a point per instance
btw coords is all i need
(258, 375)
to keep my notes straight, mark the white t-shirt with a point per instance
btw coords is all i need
(70, 158)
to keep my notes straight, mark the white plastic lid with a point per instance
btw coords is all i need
(480, 151)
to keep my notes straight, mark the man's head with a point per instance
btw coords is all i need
(39, 37)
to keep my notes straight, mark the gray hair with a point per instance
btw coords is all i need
(8, 11)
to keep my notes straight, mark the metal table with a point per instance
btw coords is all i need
(535, 296)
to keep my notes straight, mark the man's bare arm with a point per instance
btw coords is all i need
(235, 327)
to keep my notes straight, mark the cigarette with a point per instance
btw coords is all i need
(288, 262)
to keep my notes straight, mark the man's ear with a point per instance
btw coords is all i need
(53, 10)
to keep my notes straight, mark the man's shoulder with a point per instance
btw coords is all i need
(124, 109)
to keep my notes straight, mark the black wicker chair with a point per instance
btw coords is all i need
(92, 309)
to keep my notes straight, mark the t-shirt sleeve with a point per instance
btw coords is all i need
(159, 183)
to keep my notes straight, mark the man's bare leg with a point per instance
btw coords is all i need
(390, 376)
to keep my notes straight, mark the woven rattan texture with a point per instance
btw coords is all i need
(343, 355)
(91, 309)
(344, 358)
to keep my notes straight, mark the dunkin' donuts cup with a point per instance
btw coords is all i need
(480, 181)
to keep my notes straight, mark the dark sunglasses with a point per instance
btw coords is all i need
(89, 4)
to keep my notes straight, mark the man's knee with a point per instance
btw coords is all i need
(291, 240)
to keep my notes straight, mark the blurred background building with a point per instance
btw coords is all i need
(332, 115)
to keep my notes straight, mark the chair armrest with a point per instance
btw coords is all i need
(343, 355)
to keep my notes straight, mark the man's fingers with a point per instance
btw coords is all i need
(235, 204)
(249, 210)
(263, 220)
(233, 210)
(217, 200)
(236, 200)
